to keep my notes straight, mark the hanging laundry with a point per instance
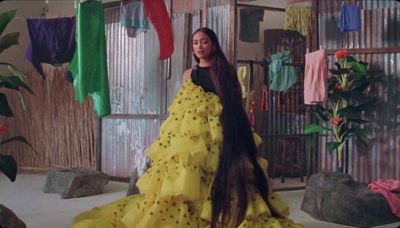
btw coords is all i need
(350, 18)
(264, 99)
(250, 24)
(316, 77)
(244, 78)
(298, 18)
(52, 41)
(250, 104)
(89, 65)
(157, 13)
(251, 113)
(134, 19)
(388, 189)
(296, 1)
(281, 76)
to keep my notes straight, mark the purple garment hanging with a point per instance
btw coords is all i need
(52, 41)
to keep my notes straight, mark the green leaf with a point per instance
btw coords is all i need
(16, 139)
(361, 142)
(350, 112)
(350, 59)
(14, 70)
(8, 41)
(8, 166)
(359, 68)
(338, 66)
(332, 146)
(313, 128)
(322, 113)
(335, 72)
(14, 82)
(367, 105)
(360, 85)
(5, 108)
(358, 132)
(21, 139)
(353, 112)
(359, 121)
(340, 71)
(5, 18)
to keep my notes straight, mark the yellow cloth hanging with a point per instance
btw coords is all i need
(244, 78)
(298, 18)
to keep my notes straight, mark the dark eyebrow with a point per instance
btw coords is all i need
(201, 39)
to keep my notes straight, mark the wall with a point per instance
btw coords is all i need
(272, 20)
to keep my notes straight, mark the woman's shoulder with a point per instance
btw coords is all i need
(187, 74)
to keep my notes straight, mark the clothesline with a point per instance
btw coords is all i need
(268, 61)
(107, 5)
(250, 61)
(25, 18)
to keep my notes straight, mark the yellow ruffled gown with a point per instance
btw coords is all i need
(176, 189)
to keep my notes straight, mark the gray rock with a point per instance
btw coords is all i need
(8, 219)
(76, 182)
(132, 188)
(335, 197)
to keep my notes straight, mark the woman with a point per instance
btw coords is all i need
(205, 171)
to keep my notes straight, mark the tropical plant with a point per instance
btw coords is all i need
(342, 114)
(14, 82)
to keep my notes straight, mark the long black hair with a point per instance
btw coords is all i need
(229, 194)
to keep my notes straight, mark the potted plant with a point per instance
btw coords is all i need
(342, 114)
(14, 81)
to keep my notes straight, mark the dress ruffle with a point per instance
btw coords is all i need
(176, 188)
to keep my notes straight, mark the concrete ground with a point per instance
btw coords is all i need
(42, 210)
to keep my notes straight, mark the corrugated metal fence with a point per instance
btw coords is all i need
(137, 81)
(218, 20)
(380, 28)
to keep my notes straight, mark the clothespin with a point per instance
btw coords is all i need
(45, 9)
(342, 3)
(307, 50)
(320, 47)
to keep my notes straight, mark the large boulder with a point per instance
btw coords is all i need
(335, 197)
(8, 219)
(76, 182)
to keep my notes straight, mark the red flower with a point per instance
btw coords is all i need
(2, 128)
(341, 54)
(338, 87)
(335, 121)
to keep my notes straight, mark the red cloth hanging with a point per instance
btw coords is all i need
(251, 112)
(157, 14)
(264, 99)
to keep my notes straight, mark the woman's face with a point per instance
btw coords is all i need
(202, 45)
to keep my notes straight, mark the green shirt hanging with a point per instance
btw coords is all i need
(89, 64)
(281, 77)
